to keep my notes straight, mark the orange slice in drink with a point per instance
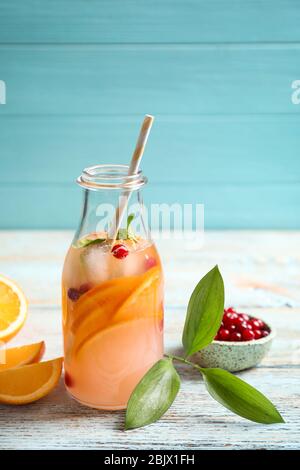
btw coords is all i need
(107, 296)
(13, 309)
(111, 363)
(125, 299)
(94, 310)
(29, 383)
(20, 356)
(144, 301)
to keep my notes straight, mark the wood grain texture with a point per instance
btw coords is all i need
(214, 160)
(217, 73)
(155, 21)
(226, 206)
(261, 273)
(165, 79)
(206, 150)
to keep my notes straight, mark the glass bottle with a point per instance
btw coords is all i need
(112, 292)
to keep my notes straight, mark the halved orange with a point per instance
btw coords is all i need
(22, 355)
(126, 299)
(29, 383)
(13, 308)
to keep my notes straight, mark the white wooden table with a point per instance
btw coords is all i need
(262, 277)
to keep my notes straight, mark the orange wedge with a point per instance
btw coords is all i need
(126, 299)
(20, 356)
(13, 309)
(29, 383)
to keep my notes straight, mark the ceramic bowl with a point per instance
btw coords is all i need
(235, 355)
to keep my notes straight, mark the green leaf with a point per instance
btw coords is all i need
(122, 234)
(127, 233)
(204, 313)
(84, 242)
(129, 220)
(240, 397)
(153, 395)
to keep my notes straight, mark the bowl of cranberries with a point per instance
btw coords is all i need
(241, 342)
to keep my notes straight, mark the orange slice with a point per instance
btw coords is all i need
(20, 356)
(112, 362)
(13, 309)
(108, 294)
(29, 383)
(96, 308)
(125, 299)
(145, 301)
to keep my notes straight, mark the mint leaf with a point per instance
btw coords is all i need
(127, 233)
(204, 313)
(84, 242)
(129, 220)
(122, 234)
(240, 397)
(153, 395)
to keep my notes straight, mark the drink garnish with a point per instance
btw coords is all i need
(84, 242)
(127, 233)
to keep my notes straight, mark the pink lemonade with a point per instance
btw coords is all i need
(112, 318)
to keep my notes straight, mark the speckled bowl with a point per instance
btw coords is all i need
(235, 355)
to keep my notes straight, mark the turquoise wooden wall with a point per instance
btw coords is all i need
(217, 74)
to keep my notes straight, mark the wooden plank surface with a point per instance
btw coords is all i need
(218, 74)
(234, 165)
(261, 273)
(63, 21)
(87, 140)
(165, 79)
(226, 206)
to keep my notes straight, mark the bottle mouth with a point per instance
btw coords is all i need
(110, 177)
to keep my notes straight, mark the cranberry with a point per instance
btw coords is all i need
(223, 334)
(257, 323)
(245, 316)
(264, 333)
(241, 327)
(84, 288)
(229, 310)
(68, 380)
(245, 326)
(238, 321)
(150, 262)
(232, 328)
(73, 294)
(248, 335)
(235, 336)
(257, 334)
(120, 251)
(229, 318)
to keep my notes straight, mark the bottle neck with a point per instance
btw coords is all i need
(99, 211)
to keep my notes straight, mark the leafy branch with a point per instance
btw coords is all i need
(159, 387)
